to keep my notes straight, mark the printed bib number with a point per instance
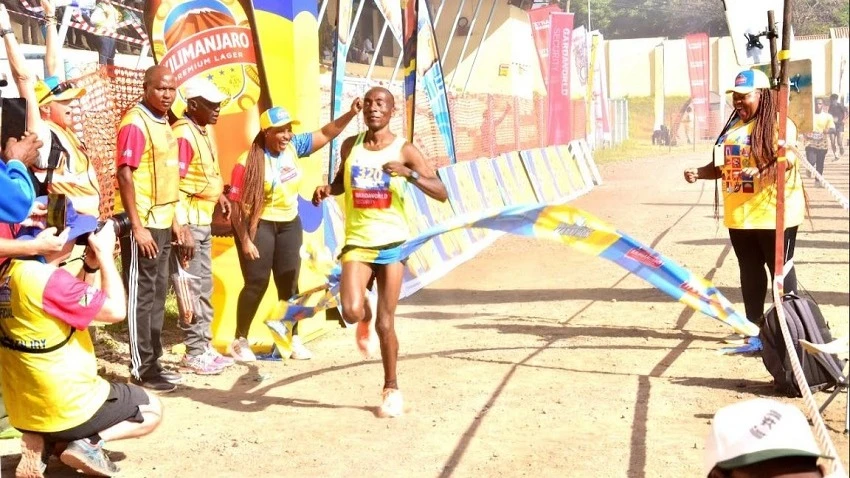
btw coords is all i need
(370, 188)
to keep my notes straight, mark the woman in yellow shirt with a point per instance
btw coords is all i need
(748, 175)
(264, 188)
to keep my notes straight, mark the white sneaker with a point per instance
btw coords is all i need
(241, 351)
(393, 404)
(299, 351)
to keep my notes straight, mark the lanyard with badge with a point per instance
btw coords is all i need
(276, 165)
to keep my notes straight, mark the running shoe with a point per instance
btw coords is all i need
(241, 351)
(392, 405)
(89, 458)
(299, 351)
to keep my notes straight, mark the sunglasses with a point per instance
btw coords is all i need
(57, 90)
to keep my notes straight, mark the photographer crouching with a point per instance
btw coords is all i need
(53, 393)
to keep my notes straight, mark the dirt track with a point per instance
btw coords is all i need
(530, 360)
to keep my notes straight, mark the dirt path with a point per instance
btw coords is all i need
(530, 360)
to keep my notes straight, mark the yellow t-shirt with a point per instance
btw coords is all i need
(748, 203)
(200, 177)
(282, 179)
(58, 390)
(822, 123)
(374, 201)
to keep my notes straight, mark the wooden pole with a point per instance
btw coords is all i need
(782, 57)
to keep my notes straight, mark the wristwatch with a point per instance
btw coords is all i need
(413, 177)
(6, 31)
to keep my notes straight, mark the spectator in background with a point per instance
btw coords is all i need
(148, 175)
(839, 114)
(106, 17)
(201, 187)
(761, 438)
(64, 165)
(49, 371)
(817, 142)
(368, 50)
(688, 123)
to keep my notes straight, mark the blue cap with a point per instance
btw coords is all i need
(748, 81)
(276, 116)
(78, 224)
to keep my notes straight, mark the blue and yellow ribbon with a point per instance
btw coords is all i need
(561, 223)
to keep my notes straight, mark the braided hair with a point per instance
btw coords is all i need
(253, 196)
(763, 138)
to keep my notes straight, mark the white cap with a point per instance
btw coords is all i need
(204, 88)
(757, 430)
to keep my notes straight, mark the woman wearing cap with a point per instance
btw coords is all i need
(264, 188)
(747, 169)
(49, 116)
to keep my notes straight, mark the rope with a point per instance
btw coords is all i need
(80, 23)
(836, 194)
(821, 433)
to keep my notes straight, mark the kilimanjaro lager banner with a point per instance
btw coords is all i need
(211, 38)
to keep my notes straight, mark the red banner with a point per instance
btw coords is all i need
(560, 48)
(696, 45)
(540, 29)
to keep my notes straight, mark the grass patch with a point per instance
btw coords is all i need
(632, 149)
(641, 126)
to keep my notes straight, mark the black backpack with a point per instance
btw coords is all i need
(806, 322)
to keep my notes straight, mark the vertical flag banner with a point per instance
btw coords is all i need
(342, 44)
(559, 112)
(696, 45)
(410, 26)
(428, 66)
(600, 90)
(391, 10)
(592, 49)
(541, 31)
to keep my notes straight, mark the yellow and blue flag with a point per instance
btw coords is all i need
(570, 226)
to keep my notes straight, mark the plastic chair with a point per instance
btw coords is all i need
(840, 348)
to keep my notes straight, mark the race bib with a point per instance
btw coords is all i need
(370, 188)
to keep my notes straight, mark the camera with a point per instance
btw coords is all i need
(120, 222)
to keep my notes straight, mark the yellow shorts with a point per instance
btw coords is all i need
(366, 255)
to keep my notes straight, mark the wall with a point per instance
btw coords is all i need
(630, 59)
(633, 60)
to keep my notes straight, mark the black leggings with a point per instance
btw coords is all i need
(279, 245)
(755, 248)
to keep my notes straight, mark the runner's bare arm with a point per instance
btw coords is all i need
(428, 181)
(337, 186)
